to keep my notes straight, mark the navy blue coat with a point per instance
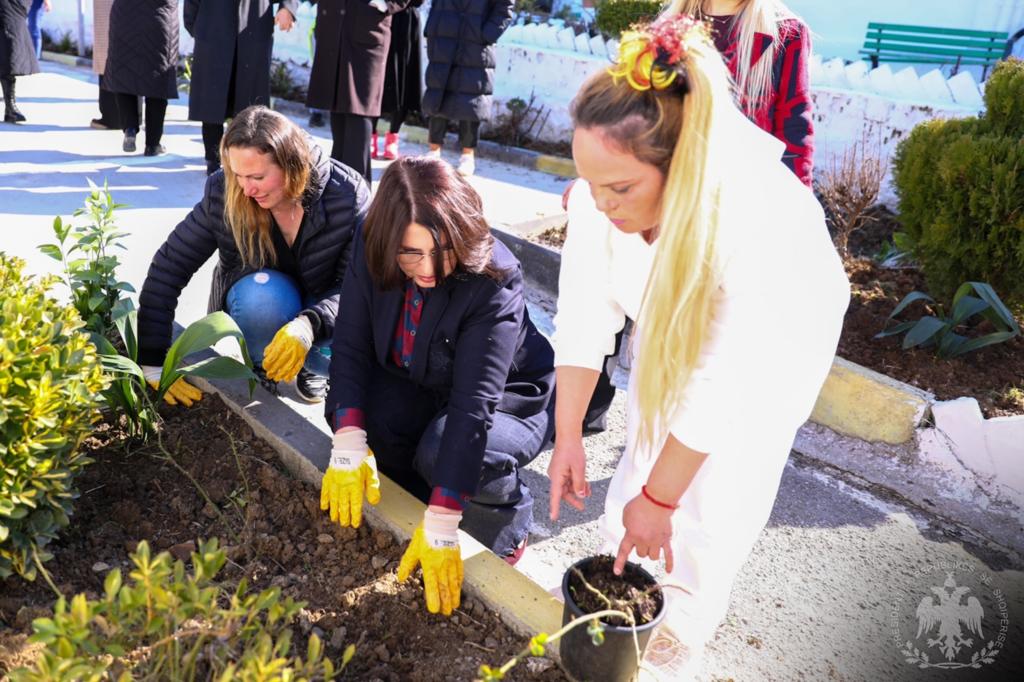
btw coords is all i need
(476, 348)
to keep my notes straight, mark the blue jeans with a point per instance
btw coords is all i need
(260, 304)
(404, 426)
(33, 26)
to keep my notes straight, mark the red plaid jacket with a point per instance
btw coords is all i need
(786, 113)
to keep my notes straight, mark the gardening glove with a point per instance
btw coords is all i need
(180, 392)
(435, 547)
(351, 473)
(286, 353)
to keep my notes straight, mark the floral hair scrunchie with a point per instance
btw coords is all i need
(653, 56)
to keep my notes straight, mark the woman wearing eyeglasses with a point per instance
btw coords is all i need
(438, 375)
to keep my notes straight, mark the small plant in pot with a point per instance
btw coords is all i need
(620, 613)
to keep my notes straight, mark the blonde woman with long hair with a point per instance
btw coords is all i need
(280, 216)
(685, 221)
(766, 47)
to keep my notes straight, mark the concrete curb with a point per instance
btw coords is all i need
(517, 156)
(304, 447)
(66, 59)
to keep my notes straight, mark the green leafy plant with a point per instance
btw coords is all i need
(895, 253)
(128, 394)
(961, 190)
(615, 16)
(939, 331)
(50, 386)
(87, 255)
(523, 121)
(169, 624)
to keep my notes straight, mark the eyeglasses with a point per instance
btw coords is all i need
(413, 257)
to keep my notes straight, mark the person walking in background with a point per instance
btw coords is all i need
(403, 79)
(347, 79)
(142, 61)
(231, 61)
(100, 41)
(460, 70)
(37, 8)
(17, 57)
(767, 49)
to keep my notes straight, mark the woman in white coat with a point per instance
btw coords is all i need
(686, 220)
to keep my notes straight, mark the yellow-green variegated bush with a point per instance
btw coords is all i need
(50, 385)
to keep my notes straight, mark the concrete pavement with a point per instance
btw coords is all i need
(834, 584)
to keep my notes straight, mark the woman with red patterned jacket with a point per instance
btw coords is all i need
(766, 48)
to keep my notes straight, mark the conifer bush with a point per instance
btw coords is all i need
(615, 16)
(961, 189)
(50, 386)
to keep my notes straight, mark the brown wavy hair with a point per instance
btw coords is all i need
(268, 132)
(428, 192)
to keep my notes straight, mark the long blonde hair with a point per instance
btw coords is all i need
(268, 132)
(753, 81)
(676, 129)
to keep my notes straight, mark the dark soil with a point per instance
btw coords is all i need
(994, 375)
(630, 591)
(274, 534)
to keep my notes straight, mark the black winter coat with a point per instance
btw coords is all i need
(460, 50)
(335, 203)
(231, 59)
(143, 55)
(476, 349)
(352, 40)
(17, 55)
(403, 77)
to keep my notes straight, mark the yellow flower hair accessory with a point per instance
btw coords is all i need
(654, 56)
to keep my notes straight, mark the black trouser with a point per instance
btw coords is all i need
(604, 392)
(128, 111)
(405, 424)
(397, 119)
(351, 134)
(108, 107)
(213, 133)
(469, 132)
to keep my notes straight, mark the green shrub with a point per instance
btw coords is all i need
(50, 386)
(961, 190)
(167, 624)
(615, 16)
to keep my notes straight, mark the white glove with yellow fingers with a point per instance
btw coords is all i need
(351, 474)
(286, 353)
(435, 547)
(180, 392)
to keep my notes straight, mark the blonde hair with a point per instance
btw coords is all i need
(268, 132)
(675, 129)
(753, 81)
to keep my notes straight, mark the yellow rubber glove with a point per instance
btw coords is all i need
(435, 547)
(286, 353)
(180, 393)
(352, 472)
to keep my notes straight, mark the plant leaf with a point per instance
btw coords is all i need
(895, 329)
(220, 367)
(200, 335)
(923, 331)
(988, 294)
(966, 307)
(908, 299)
(982, 341)
(51, 250)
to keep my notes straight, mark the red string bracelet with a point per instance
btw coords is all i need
(643, 489)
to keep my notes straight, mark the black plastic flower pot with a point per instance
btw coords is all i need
(615, 659)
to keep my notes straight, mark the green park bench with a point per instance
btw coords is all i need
(930, 45)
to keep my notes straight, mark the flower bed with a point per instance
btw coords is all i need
(209, 476)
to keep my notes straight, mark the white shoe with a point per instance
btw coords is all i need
(467, 165)
(433, 154)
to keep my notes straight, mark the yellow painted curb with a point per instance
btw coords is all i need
(522, 604)
(556, 165)
(862, 403)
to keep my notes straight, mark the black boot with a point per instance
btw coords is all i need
(11, 112)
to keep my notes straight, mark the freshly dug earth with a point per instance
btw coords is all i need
(630, 591)
(274, 534)
(993, 375)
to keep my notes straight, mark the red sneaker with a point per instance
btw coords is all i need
(373, 147)
(390, 146)
(517, 554)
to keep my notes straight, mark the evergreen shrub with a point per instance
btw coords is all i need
(615, 16)
(50, 386)
(961, 189)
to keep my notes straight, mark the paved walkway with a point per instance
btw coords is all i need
(835, 580)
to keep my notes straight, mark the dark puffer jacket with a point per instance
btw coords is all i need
(335, 203)
(460, 48)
